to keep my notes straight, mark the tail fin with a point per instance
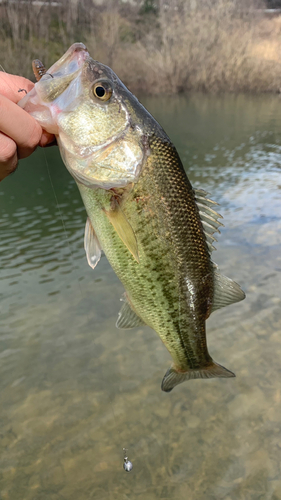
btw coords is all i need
(174, 377)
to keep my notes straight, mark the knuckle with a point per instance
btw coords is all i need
(35, 136)
(8, 151)
(8, 168)
(11, 167)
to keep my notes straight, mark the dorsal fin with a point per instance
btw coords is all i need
(226, 291)
(127, 318)
(209, 217)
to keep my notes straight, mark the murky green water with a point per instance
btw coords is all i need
(74, 390)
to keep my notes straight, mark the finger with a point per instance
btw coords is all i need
(10, 85)
(47, 139)
(8, 156)
(20, 126)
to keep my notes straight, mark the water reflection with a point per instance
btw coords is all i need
(74, 390)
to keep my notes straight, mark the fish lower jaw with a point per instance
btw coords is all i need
(95, 172)
(99, 182)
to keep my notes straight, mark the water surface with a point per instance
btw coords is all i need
(74, 390)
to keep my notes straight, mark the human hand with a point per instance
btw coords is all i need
(20, 133)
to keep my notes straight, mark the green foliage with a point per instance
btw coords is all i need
(149, 7)
(127, 34)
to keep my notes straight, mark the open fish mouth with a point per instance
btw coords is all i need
(54, 89)
(56, 80)
(60, 75)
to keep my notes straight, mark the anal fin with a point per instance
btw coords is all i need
(127, 318)
(174, 377)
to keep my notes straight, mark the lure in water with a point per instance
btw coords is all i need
(155, 229)
(127, 464)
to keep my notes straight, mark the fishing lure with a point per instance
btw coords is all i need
(127, 465)
(39, 69)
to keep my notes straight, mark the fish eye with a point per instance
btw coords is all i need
(102, 91)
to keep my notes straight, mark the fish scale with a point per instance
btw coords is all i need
(164, 307)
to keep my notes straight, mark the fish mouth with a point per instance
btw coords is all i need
(42, 100)
(70, 62)
(60, 75)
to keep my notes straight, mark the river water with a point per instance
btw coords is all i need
(74, 390)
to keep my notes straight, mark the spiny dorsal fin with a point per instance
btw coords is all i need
(127, 318)
(91, 245)
(226, 291)
(201, 195)
(123, 229)
(209, 216)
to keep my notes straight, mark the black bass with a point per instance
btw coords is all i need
(155, 229)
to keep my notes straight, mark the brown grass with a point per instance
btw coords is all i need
(174, 46)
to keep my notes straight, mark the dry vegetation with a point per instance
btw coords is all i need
(154, 46)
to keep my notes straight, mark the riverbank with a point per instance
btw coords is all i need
(155, 48)
(207, 54)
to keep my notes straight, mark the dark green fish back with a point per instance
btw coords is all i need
(187, 275)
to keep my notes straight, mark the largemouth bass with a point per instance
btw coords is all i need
(154, 228)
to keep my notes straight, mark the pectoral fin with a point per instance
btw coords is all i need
(91, 245)
(123, 229)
